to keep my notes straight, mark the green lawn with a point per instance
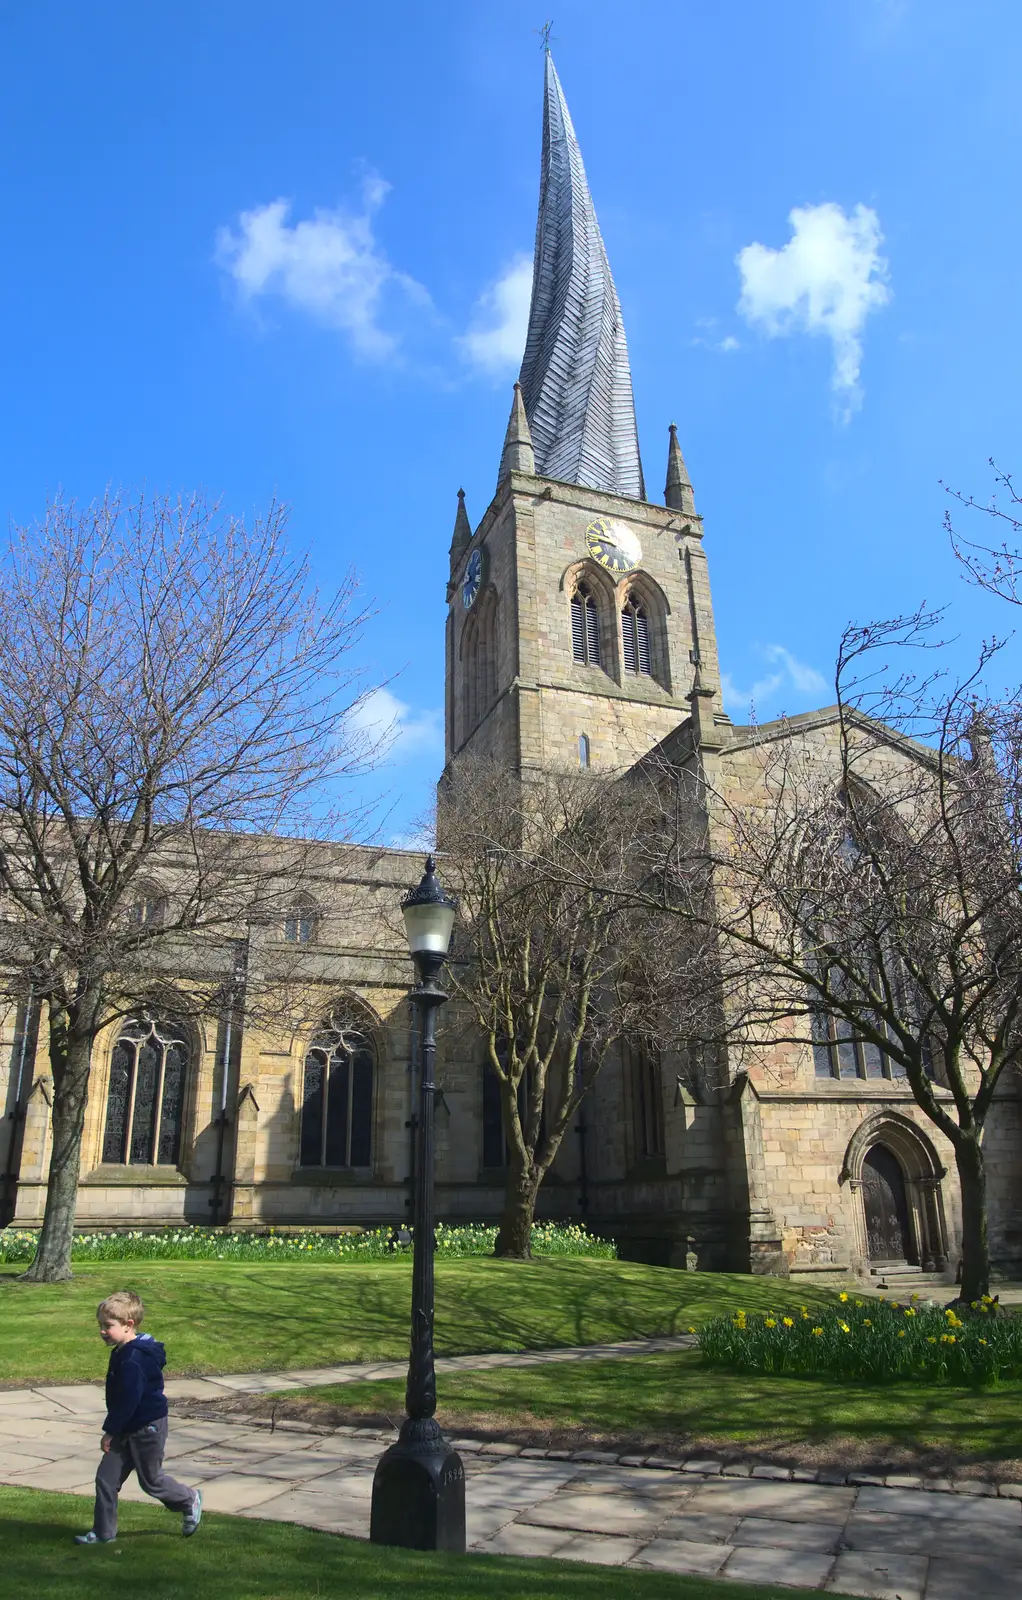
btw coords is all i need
(675, 1397)
(238, 1317)
(234, 1558)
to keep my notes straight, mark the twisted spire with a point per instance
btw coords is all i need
(575, 377)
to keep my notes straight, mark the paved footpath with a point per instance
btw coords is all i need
(764, 1524)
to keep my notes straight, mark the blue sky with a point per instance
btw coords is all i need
(272, 249)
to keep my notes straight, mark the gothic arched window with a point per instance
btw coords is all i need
(300, 923)
(642, 1072)
(479, 661)
(145, 1098)
(337, 1099)
(148, 906)
(585, 627)
(635, 637)
(583, 750)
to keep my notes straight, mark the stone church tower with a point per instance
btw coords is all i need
(580, 628)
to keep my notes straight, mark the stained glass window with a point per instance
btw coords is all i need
(145, 1096)
(337, 1100)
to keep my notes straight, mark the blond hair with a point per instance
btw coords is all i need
(124, 1306)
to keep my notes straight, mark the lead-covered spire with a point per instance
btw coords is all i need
(575, 377)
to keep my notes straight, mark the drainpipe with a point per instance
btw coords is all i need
(220, 1183)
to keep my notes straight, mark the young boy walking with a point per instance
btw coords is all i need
(135, 1430)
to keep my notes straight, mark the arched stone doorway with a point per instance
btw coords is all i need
(885, 1203)
(895, 1173)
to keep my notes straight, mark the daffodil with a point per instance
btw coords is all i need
(769, 1322)
(788, 1322)
(842, 1295)
(817, 1332)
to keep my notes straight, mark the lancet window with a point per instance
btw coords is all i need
(479, 661)
(145, 1097)
(337, 1099)
(585, 627)
(641, 1063)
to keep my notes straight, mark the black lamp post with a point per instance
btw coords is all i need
(419, 1485)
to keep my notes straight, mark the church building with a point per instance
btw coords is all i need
(580, 632)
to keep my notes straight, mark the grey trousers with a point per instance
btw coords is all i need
(141, 1453)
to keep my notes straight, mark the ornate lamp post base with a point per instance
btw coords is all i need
(419, 1491)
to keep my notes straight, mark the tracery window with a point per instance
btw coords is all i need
(838, 1053)
(337, 1099)
(641, 1063)
(149, 907)
(300, 923)
(635, 638)
(145, 1098)
(585, 627)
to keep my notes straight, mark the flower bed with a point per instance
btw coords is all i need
(371, 1244)
(875, 1340)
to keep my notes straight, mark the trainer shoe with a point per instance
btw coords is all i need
(192, 1517)
(92, 1537)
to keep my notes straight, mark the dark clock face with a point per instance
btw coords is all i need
(613, 545)
(472, 581)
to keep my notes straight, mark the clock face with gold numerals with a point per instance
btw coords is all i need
(472, 581)
(613, 545)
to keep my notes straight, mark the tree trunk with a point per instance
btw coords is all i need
(975, 1245)
(514, 1237)
(71, 1060)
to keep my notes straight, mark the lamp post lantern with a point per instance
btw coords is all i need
(419, 1485)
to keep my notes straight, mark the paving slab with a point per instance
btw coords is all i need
(637, 1480)
(791, 1502)
(84, 1400)
(800, 1569)
(978, 1577)
(875, 1530)
(238, 1493)
(598, 1513)
(680, 1555)
(823, 1537)
(699, 1527)
(520, 1539)
(980, 1514)
(882, 1575)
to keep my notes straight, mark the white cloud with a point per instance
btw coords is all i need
(393, 729)
(826, 279)
(789, 674)
(729, 343)
(330, 266)
(497, 342)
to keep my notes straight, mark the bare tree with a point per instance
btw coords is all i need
(173, 721)
(869, 898)
(996, 566)
(550, 971)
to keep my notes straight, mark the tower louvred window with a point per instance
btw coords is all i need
(635, 639)
(585, 628)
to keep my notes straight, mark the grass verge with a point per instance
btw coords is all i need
(674, 1402)
(236, 1558)
(244, 1317)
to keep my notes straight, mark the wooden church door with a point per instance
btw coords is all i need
(888, 1233)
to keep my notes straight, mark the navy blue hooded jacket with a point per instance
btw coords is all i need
(134, 1385)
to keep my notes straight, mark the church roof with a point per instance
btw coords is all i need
(575, 377)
